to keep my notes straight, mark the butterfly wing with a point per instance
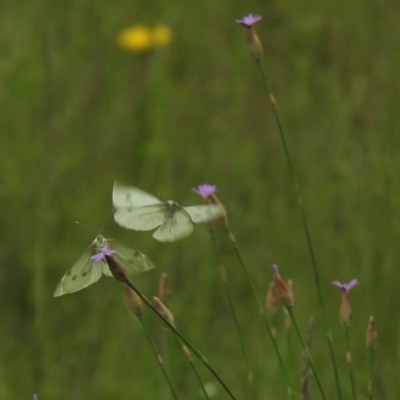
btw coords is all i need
(141, 219)
(82, 274)
(133, 260)
(131, 197)
(204, 213)
(175, 227)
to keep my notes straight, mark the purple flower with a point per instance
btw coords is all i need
(346, 286)
(275, 269)
(205, 190)
(249, 20)
(105, 251)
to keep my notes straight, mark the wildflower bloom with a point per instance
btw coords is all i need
(162, 35)
(253, 41)
(105, 251)
(249, 20)
(345, 306)
(135, 38)
(283, 291)
(346, 286)
(205, 190)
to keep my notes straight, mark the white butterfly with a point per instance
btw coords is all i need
(138, 210)
(92, 264)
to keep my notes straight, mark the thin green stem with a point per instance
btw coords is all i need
(371, 373)
(288, 341)
(197, 352)
(159, 359)
(350, 363)
(222, 274)
(295, 184)
(305, 349)
(304, 220)
(189, 357)
(232, 239)
(203, 389)
(333, 359)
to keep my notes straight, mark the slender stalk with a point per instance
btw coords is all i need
(371, 346)
(189, 357)
(306, 373)
(222, 274)
(304, 220)
(350, 363)
(159, 359)
(306, 351)
(371, 374)
(288, 329)
(197, 352)
(232, 239)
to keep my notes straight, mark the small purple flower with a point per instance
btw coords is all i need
(249, 20)
(205, 190)
(346, 286)
(105, 251)
(275, 270)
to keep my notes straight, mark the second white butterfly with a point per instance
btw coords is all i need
(138, 210)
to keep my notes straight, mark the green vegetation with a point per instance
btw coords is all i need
(78, 112)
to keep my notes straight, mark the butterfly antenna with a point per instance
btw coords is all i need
(105, 222)
(85, 226)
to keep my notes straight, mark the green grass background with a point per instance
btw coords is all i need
(76, 113)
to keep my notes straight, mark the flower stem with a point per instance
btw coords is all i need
(197, 352)
(371, 373)
(159, 359)
(304, 220)
(222, 273)
(232, 239)
(350, 363)
(193, 366)
(305, 349)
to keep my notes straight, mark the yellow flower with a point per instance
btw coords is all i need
(162, 35)
(136, 38)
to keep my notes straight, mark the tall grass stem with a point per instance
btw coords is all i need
(304, 220)
(159, 359)
(371, 373)
(305, 349)
(197, 352)
(350, 363)
(232, 239)
(189, 357)
(222, 274)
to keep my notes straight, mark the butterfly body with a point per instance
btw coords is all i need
(138, 210)
(92, 264)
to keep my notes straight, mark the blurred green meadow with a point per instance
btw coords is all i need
(78, 112)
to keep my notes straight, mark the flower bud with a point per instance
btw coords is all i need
(255, 45)
(371, 335)
(164, 290)
(134, 301)
(345, 310)
(116, 268)
(164, 311)
(283, 292)
(272, 301)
